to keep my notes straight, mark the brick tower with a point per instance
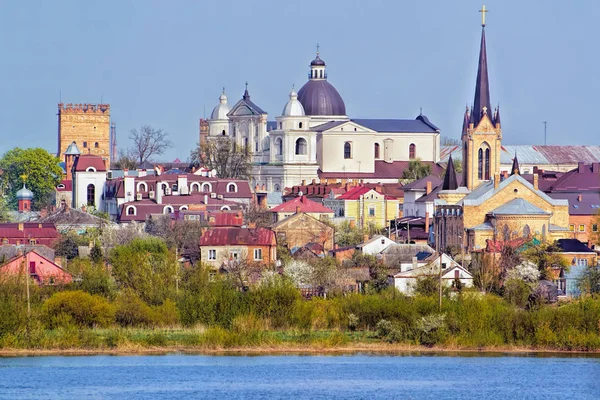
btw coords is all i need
(87, 125)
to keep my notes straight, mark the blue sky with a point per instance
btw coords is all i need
(164, 63)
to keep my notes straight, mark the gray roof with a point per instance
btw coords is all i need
(486, 226)
(403, 253)
(8, 251)
(419, 125)
(519, 207)
(328, 125)
(274, 198)
(72, 150)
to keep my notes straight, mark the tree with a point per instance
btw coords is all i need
(416, 170)
(184, 236)
(260, 216)
(546, 256)
(40, 170)
(126, 160)
(225, 156)
(589, 282)
(148, 142)
(485, 276)
(446, 141)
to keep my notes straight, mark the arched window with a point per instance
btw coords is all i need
(321, 73)
(412, 151)
(131, 210)
(168, 210)
(142, 187)
(278, 146)
(91, 195)
(183, 208)
(225, 208)
(480, 164)
(300, 125)
(90, 169)
(376, 150)
(347, 150)
(487, 164)
(301, 146)
(232, 188)
(526, 231)
(194, 187)
(223, 132)
(276, 188)
(96, 145)
(506, 233)
(84, 144)
(206, 187)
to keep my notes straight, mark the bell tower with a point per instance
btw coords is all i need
(481, 133)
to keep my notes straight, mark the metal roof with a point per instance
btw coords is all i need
(398, 125)
(519, 207)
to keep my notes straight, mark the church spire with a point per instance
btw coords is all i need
(450, 182)
(246, 94)
(515, 167)
(482, 87)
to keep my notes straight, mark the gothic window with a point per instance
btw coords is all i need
(347, 150)
(278, 146)
(506, 233)
(246, 144)
(256, 146)
(526, 231)
(480, 164)
(91, 195)
(376, 150)
(487, 164)
(301, 146)
(412, 151)
(96, 145)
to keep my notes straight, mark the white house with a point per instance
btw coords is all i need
(89, 178)
(406, 281)
(376, 245)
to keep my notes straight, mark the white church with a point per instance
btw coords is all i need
(313, 138)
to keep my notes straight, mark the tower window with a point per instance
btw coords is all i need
(321, 74)
(376, 150)
(278, 146)
(91, 195)
(84, 144)
(487, 164)
(301, 146)
(412, 151)
(223, 132)
(96, 145)
(347, 150)
(300, 125)
(480, 164)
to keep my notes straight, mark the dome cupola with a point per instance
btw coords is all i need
(221, 110)
(293, 108)
(24, 193)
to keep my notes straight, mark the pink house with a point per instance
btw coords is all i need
(42, 270)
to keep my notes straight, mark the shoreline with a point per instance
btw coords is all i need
(378, 349)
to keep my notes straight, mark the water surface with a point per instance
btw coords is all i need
(300, 377)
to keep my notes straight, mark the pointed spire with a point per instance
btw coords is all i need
(482, 87)
(450, 182)
(246, 94)
(466, 120)
(497, 119)
(515, 167)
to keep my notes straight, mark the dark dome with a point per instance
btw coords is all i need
(317, 61)
(319, 97)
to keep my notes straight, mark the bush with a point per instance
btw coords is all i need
(79, 308)
(384, 327)
(132, 311)
(517, 292)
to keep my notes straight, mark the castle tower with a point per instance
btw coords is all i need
(482, 134)
(88, 125)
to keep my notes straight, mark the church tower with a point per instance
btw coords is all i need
(481, 133)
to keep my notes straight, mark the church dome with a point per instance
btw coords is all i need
(293, 108)
(319, 97)
(221, 110)
(24, 194)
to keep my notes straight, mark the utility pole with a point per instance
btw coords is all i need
(545, 133)
(437, 251)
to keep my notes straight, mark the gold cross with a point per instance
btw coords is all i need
(483, 11)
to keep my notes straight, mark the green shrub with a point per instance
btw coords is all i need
(78, 308)
(517, 292)
(384, 327)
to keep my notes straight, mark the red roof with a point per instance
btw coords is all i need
(355, 193)
(304, 204)
(238, 236)
(85, 161)
(29, 230)
(383, 170)
(65, 186)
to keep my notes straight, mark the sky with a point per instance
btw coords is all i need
(164, 63)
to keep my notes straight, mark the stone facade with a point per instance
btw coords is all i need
(88, 125)
(301, 229)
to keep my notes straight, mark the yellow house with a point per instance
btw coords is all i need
(369, 207)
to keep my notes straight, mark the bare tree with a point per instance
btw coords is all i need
(148, 142)
(225, 156)
(126, 160)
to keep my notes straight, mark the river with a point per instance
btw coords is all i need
(179, 376)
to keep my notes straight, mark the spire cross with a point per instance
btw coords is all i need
(246, 85)
(483, 11)
(317, 48)
(223, 89)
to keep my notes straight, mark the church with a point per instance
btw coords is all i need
(314, 138)
(491, 207)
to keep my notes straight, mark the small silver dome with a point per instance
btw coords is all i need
(293, 108)
(24, 194)
(221, 110)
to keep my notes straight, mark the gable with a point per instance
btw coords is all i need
(485, 126)
(242, 110)
(300, 221)
(349, 127)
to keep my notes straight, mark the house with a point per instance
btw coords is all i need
(342, 254)
(411, 229)
(301, 204)
(368, 206)
(301, 228)
(66, 219)
(579, 257)
(251, 245)
(8, 251)
(375, 245)
(415, 191)
(405, 281)
(89, 177)
(28, 233)
(401, 257)
(40, 269)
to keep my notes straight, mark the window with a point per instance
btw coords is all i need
(234, 255)
(376, 150)
(231, 188)
(487, 164)
(594, 227)
(223, 132)
(91, 195)
(412, 151)
(131, 210)
(206, 187)
(168, 210)
(347, 150)
(581, 228)
(32, 242)
(480, 164)
(258, 255)
(301, 146)
(212, 254)
(506, 233)
(300, 125)
(256, 145)
(84, 144)
(371, 211)
(572, 227)
(526, 231)
(96, 145)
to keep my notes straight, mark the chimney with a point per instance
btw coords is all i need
(428, 188)
(298, 210)
(426, 221)
(579, 197)
(496, 180)
(205, 199)
(303, 182)
(580, 168)
(414, 262)
(535, 169)
(348, 186)
(125, 172)
(252, 225)
(21, 227)
(536, 181)
(505, 174)
(314, 181)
